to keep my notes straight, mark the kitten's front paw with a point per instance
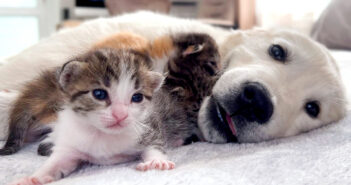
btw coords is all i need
(32, 181)
(5, 90)
(27, 181)
(159, 164)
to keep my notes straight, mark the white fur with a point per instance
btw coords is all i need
(74, 131)
(6, 100)
(77, 139)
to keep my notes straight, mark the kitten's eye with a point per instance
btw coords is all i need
(211, 67)
(137, 97)
(277, 52)
(213, 63)
(100, 94)
(312, 108)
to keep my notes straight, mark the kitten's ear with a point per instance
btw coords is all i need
(156, 80)
(69, 73)
(178, 91)
(193, 49)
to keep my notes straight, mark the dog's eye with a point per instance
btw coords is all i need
(312, 109)
(277, 52)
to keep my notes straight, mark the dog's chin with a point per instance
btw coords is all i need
(218, 126)
(217, 118)
(226, 119)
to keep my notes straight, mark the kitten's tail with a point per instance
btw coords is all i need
(7, 98)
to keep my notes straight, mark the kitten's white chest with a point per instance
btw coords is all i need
(108, 149)
(99, 147)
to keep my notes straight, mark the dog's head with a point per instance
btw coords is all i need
(275, 84)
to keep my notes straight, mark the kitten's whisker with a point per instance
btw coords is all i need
(142, 124)
(136, 130)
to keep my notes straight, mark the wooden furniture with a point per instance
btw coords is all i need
(245, 14)
(238, 14)
(116, 7)
(220, 12)
(227, 13)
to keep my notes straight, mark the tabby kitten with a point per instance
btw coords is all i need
(105, 99)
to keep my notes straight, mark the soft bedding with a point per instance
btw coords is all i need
(321, 156)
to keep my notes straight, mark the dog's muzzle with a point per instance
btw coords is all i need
(253, 104)
(250, 105)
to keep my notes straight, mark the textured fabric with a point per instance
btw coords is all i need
(321, 156)
(333, 28)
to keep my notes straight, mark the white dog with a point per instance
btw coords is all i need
(275, 84)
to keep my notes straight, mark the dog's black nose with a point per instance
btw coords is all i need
(253, 103)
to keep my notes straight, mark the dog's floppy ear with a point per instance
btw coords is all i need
(69, 72)
(191, 49)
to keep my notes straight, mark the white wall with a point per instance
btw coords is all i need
(296, 14)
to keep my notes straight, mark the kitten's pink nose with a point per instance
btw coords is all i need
(120, 112)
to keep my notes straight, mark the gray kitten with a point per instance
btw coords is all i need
(192, 73)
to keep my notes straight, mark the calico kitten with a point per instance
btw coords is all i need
(105, 99)
(159, 49)
(124, 40)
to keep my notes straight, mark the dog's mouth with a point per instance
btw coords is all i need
(225, 118)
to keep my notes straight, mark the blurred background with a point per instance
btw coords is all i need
(25, 22)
